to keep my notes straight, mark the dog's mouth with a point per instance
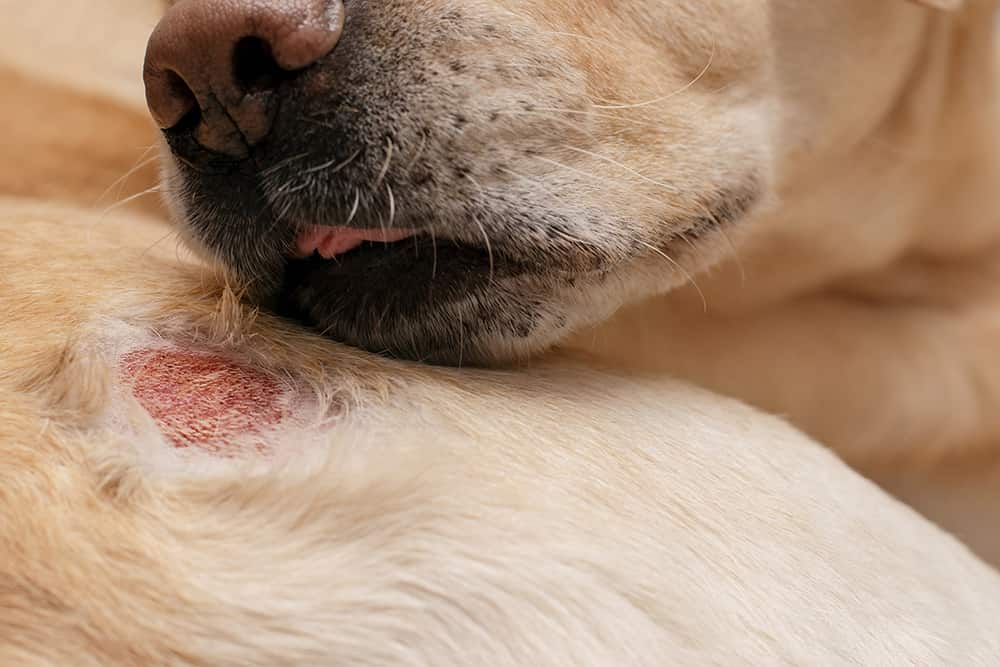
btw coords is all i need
(420, 292)
(430, 193)
(405, 293)
(474, 285)
(405, 261)
(330, 242)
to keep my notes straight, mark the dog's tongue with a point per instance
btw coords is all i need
(332, 241)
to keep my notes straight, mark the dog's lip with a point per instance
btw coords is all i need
(332, 241)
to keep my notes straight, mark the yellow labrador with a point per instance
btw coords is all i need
(188, 481)
(472, 182)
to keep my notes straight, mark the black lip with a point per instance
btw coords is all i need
(420, 267)
(369, 296)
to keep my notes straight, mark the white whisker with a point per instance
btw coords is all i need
(280, 165)
(354, 209)
(600, 178)
(392, 205)
(120, 182)
(417, 154)
(687, 86)
(672, 190)
(684, 272)
(482, 229)
(160, 240)
(334, 170)
(128, 200)
(385, 167)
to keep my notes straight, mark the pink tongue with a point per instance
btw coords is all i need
(332, 241)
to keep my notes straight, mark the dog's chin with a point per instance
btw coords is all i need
(426, 292)
(430, 300)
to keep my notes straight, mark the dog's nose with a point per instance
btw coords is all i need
(217, 64)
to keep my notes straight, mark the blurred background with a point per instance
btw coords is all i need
(77, 64)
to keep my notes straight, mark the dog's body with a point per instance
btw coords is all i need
(554, 516)
(863, 303)
(843, 155)
(399, 514)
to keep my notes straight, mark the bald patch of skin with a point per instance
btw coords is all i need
(205, 401)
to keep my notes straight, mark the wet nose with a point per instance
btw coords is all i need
(216, 66)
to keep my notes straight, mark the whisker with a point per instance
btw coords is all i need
(672, 190)
(685, 87)
(120, 182)
(385, 167)
(735, 254)
(270, 171)
(128, 200)
(482, 229)
(392, 205)
(417, 154)
(601, 178)
(160, 240)
(721, 228)
(354, 209)
(683, 271)
(538, 183)
(286, 189)
(325, 165)
(434, 253)
(278, 215)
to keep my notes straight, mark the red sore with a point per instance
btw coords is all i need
(204, 400)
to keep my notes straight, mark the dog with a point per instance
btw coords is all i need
(188, 482)
(310, 503)
(793, 202)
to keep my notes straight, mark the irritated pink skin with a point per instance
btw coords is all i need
(205, 401)
(330, 242)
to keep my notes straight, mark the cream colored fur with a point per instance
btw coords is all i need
(552, 516)
(859, 296)
(862, 301)
(555, 516)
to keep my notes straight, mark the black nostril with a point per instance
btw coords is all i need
(254, 66)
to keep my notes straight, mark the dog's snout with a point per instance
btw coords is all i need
(218, 64)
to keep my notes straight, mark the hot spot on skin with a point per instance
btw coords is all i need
(205, 401)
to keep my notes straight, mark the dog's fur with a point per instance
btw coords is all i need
(843, 155)
(862, 304)
(546, 517)
(550, 516)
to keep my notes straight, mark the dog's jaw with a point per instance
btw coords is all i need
(528, 200)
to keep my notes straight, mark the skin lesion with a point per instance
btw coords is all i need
(203, 400)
